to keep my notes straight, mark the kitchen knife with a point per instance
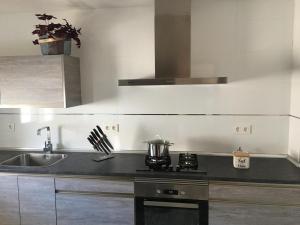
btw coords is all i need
(99, 147)
(94, 143)
(102, 140)
(99, 143)
(104, 137)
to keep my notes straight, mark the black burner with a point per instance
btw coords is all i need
(158, 163)
(188, 161)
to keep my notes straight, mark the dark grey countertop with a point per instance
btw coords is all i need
(218, 168)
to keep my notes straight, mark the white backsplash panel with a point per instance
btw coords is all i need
(200, 133)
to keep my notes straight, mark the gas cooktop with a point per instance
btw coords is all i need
(171, 169)
(187, 163)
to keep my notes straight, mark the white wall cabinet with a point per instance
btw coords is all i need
(40, 81)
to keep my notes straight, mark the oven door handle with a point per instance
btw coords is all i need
(171, 204)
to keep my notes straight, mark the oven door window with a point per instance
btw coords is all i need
(157, 212)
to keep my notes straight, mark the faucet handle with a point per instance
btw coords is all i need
(45, 147)
(48, 147)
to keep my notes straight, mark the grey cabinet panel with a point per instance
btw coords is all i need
(72, 82)
(9, 201)
(253, 204)
(255, 193)
(76, 209)
(94, 185)
(37, 200)
(40, 81)
(225, 213)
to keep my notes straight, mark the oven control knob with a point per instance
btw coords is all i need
(182, 193)
(158, 191)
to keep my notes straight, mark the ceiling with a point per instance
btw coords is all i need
(14, 6)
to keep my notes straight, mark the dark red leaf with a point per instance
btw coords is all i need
(36, 42)
(56, 30)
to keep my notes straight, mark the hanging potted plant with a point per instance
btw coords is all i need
(55, 38)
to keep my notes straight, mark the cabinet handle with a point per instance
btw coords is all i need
(102, 194)
(215, 200)
(171, 204)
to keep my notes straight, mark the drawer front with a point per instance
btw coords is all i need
(77, 209)
(255, 193)
(224, 213)
(94, 185)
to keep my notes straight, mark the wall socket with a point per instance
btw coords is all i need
(12, 127)
(243, 129)
(113, 127)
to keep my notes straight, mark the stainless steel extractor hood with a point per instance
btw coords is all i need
(173, 47)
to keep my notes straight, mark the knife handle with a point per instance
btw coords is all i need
(97, 133)
(94, 135)
(93, 144)
(90, 141)
(100, 130)
(99, 141)
(96, 145)
(104, 138)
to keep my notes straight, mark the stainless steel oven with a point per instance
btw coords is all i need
(171, 201)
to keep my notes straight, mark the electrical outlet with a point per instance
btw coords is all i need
(113, 127)
(12, 127)
(243, 130)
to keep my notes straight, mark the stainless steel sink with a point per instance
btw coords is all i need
(34, 160)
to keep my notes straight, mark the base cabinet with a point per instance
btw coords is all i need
(86, 209)
(94, 201)
(9, 201)
(224, 213)
(37, 200)
(253, 204)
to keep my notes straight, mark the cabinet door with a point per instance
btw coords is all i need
(37, 200)
(225, 213)
(40, 81)
(9, 201)
(88, 209)
(37, 79)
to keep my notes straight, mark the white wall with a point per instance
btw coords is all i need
(250, 41)
(294, 137)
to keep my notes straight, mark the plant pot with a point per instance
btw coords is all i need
(58, 46)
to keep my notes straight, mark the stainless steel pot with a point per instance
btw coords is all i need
(158, 148)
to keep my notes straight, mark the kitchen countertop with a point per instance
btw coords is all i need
(218, 168)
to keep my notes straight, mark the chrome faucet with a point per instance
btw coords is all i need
(48, 145)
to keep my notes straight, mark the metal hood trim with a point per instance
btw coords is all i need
(173, 81)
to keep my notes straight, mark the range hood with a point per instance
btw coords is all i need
(173, 47)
